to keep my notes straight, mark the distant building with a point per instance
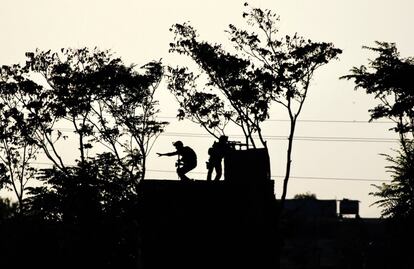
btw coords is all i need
(349, 207)
(315, 208)
(321, 234)
(311, 208)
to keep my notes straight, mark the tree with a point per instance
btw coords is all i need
(112, 116)
(267, 68)
(92, 213)
(92, 191)
(135, 111)
(104, 101)
(389, 77)
(16, 152)
(7, 209)
(397, 198)
(305, 196)
(242, 92)
(91, 85)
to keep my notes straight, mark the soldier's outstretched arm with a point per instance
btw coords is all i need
(167, 154)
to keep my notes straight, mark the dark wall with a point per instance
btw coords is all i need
(207, 225)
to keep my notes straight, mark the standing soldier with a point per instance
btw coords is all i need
(216, 152)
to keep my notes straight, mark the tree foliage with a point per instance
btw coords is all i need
(7, 209)
(106, 103)
(305, 196)
(16, 151)
(91, 192)
(291, 60)
(266, 68)
(389, 78)
(397, 198)
(88, 100)
(242, 93)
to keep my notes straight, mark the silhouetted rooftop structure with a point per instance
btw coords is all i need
(311, 208)
(246, 164)
(316, 208)
(204, 224)
(349, 207)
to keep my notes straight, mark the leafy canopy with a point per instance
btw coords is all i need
(389, 77)
(240, 87)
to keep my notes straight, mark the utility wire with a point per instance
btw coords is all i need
(314, 120)
(298, 177)
(274, 177)
(277, 137)
(304, 138)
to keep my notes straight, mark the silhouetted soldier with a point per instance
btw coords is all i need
(187, 159)
(216, 152)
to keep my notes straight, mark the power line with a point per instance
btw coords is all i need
(334, 121)
(298, 177)
(337, 178)
(278, 137)
(274, 177)
(299, 120)
(303, 138)
(314, 120)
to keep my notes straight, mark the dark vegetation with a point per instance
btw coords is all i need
(389, 78)
(84, 212)
(89, 213)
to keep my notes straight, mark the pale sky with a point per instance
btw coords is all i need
(137, 31)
